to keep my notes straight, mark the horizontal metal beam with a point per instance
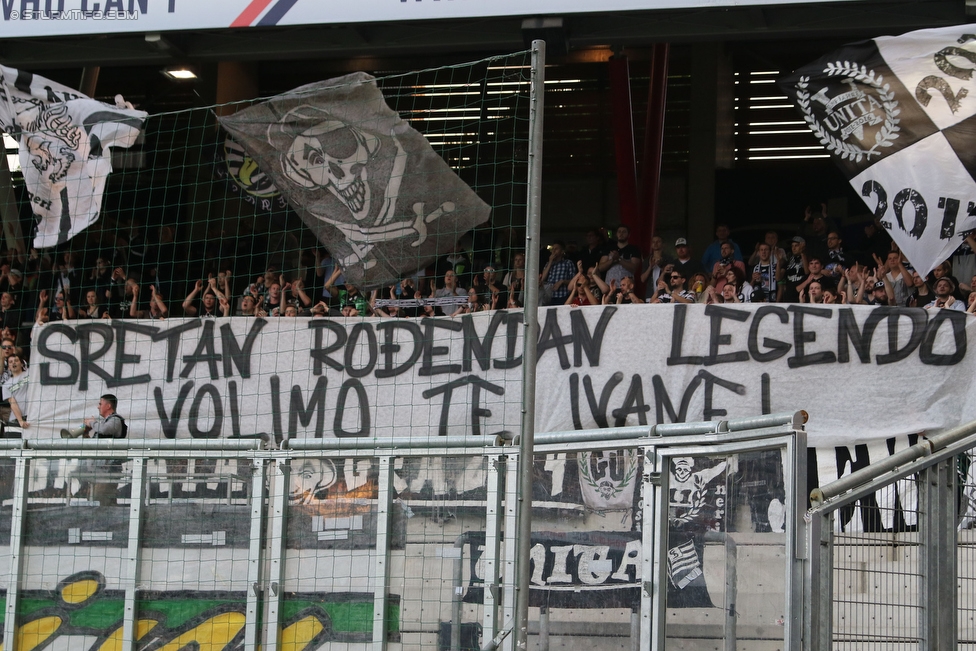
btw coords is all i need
(142, 444)
(868, 475)
(476, 445)
(757, 427)
(769, 425)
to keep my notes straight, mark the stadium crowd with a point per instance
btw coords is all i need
(816, 262)
(812, 264)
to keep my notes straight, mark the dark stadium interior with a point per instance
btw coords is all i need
(579, 173)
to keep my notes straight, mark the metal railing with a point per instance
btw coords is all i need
(395, 543)
(889, 560)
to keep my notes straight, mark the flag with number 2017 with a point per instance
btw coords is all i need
(898, 115)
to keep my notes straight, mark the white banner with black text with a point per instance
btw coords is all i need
(864, 374)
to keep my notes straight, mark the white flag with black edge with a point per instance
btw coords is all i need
(898, 115)
(64, 140)
(363, 180)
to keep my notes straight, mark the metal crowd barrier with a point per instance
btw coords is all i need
(889, 559)
(404, 543)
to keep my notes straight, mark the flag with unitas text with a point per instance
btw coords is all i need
(64, 140)
(898, 115)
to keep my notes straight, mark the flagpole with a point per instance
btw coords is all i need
(530, 341)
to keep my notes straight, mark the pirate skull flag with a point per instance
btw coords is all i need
(898, 114)
(367, 184)
(64, 139)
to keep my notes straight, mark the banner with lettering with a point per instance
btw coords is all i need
(898, 113)
(863, 373)
(697, 501)
(592, 569)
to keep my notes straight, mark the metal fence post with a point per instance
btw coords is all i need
(131, 577)
(277, 508)
(650, 590)
(509, 554)
(530, 341)
(796, 508)
(937, 556)
(16, 553)
(493, 528)
(254, 592)
(818, 586)
(659, 560)
(381, 569)
(731, 592)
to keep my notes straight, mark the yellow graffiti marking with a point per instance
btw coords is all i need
(79, 591)
(114, 641)
(33, 634)
(212, 635)
(248, 167)
(217, 633)
(296, 636)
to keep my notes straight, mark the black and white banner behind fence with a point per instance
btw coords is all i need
(862, 373)
(871, 379)
(898, 114)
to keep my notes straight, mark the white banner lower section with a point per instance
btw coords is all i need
(862, 373)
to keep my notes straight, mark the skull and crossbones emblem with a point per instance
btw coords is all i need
(345, 161)
(334, 156)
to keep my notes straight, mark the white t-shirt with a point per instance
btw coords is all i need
(745, 293)
(16, 387)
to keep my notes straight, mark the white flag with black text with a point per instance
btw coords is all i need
(898, 114)
(64, 140)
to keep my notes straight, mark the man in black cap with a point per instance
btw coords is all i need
(878, 295)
